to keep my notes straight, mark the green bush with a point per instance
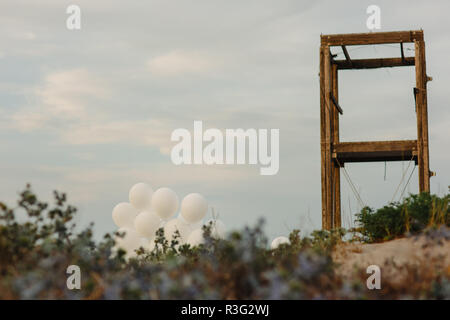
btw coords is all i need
(413, 215)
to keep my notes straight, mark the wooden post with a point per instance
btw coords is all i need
(422, 117)
(335, 165)
(328, 124)
(326, 136)
(322, 139)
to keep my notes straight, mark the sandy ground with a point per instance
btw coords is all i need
(391, 256)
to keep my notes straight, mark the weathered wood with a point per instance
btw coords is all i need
(422, 117)
(418, 99)
(371, 38)
(334, 154)
(322, 140)
(336, 168)
(375, 63)
(397, 150)
(362, 146)
(328, 123)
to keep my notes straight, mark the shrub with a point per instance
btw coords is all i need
(413, 215)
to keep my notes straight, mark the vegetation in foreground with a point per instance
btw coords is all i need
(412, 216)
(35, 254)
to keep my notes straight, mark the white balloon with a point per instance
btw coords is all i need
(165, 203)
(279, 240)
(192, 226)
(146, 224)
(140, 196)
(172, 226)
(130, 241)
(124, 214)
(218, 228)
(196, 225)
(194, 207)
(196, 238)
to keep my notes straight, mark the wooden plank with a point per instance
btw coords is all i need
(371, 38)
(367, 146)
(376, 157)
(375, 63)
(370, 151)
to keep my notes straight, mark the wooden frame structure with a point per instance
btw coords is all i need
(334, 154)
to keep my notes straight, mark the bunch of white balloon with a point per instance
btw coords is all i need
(148, 211)
(279, 241)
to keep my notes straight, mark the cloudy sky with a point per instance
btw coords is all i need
(90, 112)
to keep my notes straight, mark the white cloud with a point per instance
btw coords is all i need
(178, 62)
(132, 132)
(65, 93)
(62, 97)
(29, 36)
(73, 104)
(158, 175)
(27, 120)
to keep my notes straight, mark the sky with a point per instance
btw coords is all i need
(90, 112)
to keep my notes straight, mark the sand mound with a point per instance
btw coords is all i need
(394, 256)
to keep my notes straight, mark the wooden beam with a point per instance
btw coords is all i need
(336, 104)
(422, 117)
(336, 179)
(322, 138)
(328, 137)
(370, 151)
(367, 146)
(374, 63)
(371, 38)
